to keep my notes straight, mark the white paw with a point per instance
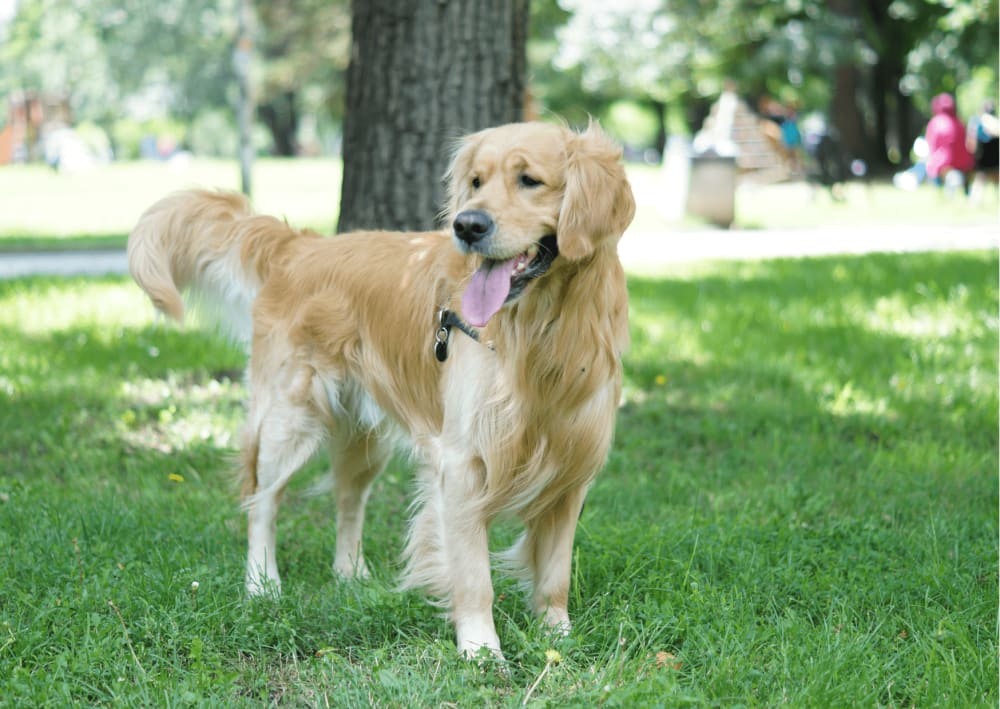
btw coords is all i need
(262, 586)
(475, 634)
(558, 620)
(483, 654)
(350, 569)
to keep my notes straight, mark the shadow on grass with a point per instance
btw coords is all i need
(26, 243)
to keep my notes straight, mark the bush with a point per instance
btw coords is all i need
(96, 140)
(633, 123)
(213, 134)
(127, 135)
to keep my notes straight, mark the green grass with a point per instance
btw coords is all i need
(800, 205)
(865, 204)
(800, 508)
(43, 210)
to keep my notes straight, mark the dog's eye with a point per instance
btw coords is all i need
(476, 183)
(528, 181)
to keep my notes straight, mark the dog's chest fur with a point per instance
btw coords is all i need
(531, 448)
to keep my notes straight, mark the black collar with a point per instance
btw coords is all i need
(548, 250)
(446, 321)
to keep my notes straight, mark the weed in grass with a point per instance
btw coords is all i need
(800, 508)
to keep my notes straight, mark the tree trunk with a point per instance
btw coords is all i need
(242, 59)
(422, 73)
(900, 130)
(882, 85)
(660, 111)
(845, 113)
(282, 119)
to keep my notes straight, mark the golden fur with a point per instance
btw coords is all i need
(341, 332)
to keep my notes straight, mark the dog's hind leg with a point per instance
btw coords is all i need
(283, 438)
(546, 550)
(356, 460)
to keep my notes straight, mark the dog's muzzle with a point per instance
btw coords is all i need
(472, 226)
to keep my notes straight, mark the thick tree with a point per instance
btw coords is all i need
(423, 73)
(302, 46)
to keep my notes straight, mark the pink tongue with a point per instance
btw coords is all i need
(487, 291)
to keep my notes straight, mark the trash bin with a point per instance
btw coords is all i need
(712, 188)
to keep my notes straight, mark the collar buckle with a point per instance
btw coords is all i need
(446, 321)
(441, 336)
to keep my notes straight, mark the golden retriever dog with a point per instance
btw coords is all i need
(491, 348)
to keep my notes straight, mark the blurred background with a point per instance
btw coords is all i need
(736, 113)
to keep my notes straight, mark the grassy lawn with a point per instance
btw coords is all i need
(800, 508)
(40, 209)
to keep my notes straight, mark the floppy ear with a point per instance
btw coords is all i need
(597, 202)
(457, 178)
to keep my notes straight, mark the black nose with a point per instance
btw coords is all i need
(472, 226)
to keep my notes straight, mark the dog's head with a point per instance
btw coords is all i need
(522, 195)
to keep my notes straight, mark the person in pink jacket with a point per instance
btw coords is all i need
(946, 141)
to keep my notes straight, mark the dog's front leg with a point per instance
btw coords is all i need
(466, 550)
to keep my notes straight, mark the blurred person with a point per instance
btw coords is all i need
(826, 163)
(982, 139)
(915, 176)
(791, 137)
(949, 161)
(780, 128)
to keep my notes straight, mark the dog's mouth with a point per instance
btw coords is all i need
(498, 282)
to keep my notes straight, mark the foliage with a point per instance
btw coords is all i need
(800, 508)
(140, 59)
(213, 134)
(554, 88)
(106, 54)
(303, 48)
(150, 60)
(52, 47)
(128, 134)
(682, 51)
(961, 43)
(669, 50)
(631, 122)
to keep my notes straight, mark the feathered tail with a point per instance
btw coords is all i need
(211, 246)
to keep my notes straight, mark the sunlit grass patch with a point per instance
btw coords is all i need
(106, 202)
(45, 305)
(169, 414)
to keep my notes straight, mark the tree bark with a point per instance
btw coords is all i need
(281, 116)
(845, 113)
(423, 73)
(242, 59)
(660, 111)
(882, 86)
